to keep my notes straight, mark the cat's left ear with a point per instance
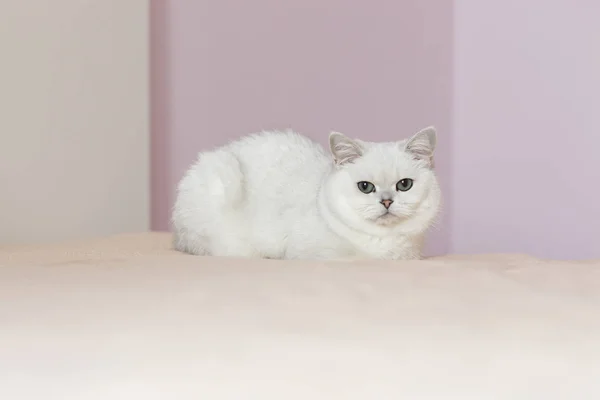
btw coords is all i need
(344, 149)
(422, 145)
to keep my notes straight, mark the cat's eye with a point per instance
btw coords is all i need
(366, 187)
(404, 184)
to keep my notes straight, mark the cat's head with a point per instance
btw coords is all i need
(380, 188)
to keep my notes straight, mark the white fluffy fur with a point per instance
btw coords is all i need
(280, 195)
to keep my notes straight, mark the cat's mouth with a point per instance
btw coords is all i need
(387, 219)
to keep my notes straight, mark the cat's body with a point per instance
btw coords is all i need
(281, 195)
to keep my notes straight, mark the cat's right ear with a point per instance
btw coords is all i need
(343, 149)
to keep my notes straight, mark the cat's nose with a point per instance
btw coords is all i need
(387, 203)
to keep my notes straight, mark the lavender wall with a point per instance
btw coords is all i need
(527, 128)
(378, 70)
(513, 86)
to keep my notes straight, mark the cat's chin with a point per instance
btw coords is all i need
(387, 219)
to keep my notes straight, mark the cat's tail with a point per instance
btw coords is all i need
(223, 179)
(210, 191)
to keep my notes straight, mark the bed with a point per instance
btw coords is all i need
(126, 317)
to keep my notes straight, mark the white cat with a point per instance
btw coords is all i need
(280, 195)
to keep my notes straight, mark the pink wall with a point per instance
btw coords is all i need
(513, 86)
(378, 70)
(526, 168)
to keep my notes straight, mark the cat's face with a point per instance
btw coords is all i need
(378, 187)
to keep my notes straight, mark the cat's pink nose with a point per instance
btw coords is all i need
(387, 203)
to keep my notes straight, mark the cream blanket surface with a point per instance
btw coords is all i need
(127, 318)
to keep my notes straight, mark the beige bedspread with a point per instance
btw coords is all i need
(127, 318)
